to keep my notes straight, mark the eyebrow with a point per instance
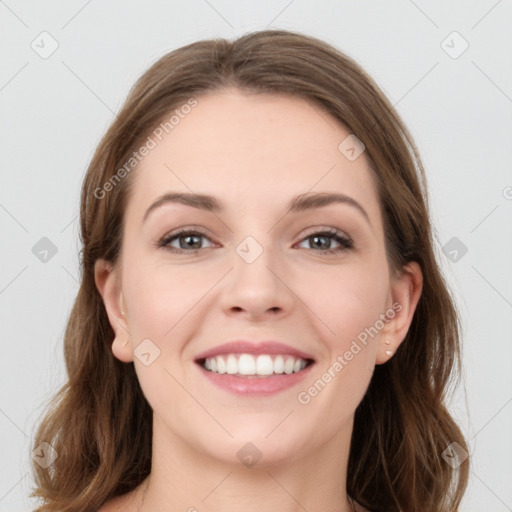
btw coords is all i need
(299, 203)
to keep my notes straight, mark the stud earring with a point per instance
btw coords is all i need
(389, 352)
(124, 343)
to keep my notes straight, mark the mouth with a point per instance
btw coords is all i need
(249, 365)
(256, 369)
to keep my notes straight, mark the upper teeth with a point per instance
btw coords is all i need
(247, 364)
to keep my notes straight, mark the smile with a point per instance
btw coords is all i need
(254, 368)
(263, 365)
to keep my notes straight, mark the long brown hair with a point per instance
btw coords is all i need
(100, 423)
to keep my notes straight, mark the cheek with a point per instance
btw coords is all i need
(161, 300)
(347, 303)
(159, 294)
(346, 299)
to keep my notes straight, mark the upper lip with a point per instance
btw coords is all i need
(253, 347)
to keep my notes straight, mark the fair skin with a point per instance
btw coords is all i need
(254, 153)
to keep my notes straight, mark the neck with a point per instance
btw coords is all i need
(183, 478)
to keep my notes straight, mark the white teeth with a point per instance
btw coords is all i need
(221, 365)
(288, 365)
(279, 364)
(264, 365)
(247, 364)
(231, 365)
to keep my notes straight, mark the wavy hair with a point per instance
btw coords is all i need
(100, 423)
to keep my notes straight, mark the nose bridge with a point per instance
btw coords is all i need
(255, 239)
(253, 262)
(255, 284)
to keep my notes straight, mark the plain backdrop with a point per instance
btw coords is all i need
(66, 69)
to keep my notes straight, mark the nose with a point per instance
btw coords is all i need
(257, 290)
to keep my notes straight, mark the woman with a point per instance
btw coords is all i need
(261, 322)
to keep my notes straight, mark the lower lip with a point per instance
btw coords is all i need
(255, 385)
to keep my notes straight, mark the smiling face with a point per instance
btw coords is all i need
(254, 268)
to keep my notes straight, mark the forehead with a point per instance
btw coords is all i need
(249, 149)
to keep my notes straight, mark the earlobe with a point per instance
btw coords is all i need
(107, 282)
(405, 292)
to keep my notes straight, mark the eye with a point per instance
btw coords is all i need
(323, 241)
(188, 241)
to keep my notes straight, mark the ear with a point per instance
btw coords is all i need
(405, 294)
(108, 283)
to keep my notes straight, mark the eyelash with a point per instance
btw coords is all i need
(345, 242)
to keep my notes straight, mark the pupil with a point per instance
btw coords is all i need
(188, 238)
(326, 239)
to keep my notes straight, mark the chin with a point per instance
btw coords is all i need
(257, 447)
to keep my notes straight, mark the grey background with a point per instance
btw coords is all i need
(55, 110)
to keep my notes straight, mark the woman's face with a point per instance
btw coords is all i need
(254, 270)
